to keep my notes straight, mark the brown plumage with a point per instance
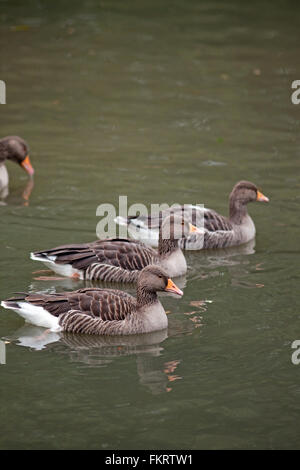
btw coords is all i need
(216, 231)
(100, 311)
(120, 260)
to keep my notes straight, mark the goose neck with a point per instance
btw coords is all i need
(144, 296)
(237, 211)
(166, 246)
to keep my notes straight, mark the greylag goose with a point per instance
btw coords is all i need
(216, 231)
(100, 311)
(120, 260)
(15, 149)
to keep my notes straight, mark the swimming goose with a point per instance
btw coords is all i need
(120, 260)
(15, 149)
(216, 231)
(100, 311)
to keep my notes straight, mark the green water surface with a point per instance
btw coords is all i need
(163, 102)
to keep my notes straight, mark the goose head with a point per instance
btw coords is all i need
(175, 227)
(151, 280)
(14, 148)
(243, 193)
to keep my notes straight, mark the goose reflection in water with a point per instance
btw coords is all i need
(207, 263)
(6, 199)
(100, 351)
(236, 260)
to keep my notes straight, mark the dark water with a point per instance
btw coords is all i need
(163, 102)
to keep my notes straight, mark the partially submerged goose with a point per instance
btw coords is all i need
(120, 260)
(216, 231)
(13, 148)
(100, 311)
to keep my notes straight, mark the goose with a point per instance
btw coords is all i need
(100, 311)
(120, 260)
(13, 148)
(214, 230)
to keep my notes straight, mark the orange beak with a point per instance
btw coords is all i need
(26, 164)
(260, 197)
(171, 287)
(194, 229)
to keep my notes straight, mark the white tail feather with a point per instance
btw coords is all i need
(62, 269)
(121, 220)
(33, 314)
